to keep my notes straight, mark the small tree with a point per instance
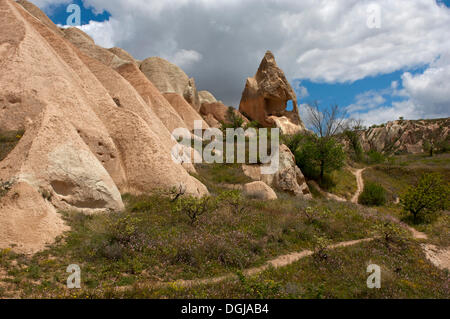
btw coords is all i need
(318, 156)
(234, 120)
(234, 200)
(353, 133)
(194, 207)
(323, 150)
(430, 195)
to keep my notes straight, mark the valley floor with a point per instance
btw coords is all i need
(287, 248)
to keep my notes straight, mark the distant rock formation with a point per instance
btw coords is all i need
(91, 132)
(206, 97)
(216, 113)
(266, 96)
(288, 178)
(403, 136)
(169, 78)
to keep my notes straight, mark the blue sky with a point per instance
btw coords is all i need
(384, 88)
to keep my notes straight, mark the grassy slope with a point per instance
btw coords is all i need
(405, 273)
(344, 183)
(403, 172)
(148, 243)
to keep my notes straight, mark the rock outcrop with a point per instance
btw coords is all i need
(405, 136)
(216, 113)
(122, 54)
(185, 110)
(169, 78)
(259, 190)
(90, 132)
(288, 178)
(206, 97)
(266, 97)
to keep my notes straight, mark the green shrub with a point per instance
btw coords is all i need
(194, 207)
(430, 195)
(234, 120)
(375, 157)
(373, 195)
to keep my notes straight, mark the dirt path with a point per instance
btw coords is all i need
(360, 187)
(440, 257)
(360, 182)
(278, 262)
(326, 194)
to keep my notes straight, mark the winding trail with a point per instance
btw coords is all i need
(360, 182)
(281, 261)
(438, 256)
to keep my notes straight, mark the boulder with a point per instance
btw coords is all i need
(169, 78)
(266, 96)
(288, 178)
(259, 190)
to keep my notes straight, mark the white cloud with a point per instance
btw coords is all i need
(320, 40)
(43, 4)
(101, 32)
(185, 58)
(426, 95)
(430, 91)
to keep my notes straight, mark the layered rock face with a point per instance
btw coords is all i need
(169, 78)
(406, 136)
(90, 132)
(266, 96)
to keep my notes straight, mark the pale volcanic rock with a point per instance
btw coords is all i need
(217, 112)
(206, 97)
(169, 78)
(266, 98)
(88, 132)
(122, 54)
(87, 45)
(259, 190)
(38, 14)
(403, 136)
(28, 221)
(185, 110)
(288, 178)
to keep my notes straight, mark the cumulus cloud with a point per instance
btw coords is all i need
(186, 58)
(221, 42)
(101, 32)
(426, 95)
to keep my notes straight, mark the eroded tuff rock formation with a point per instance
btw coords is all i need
(97, 123)
(216, 113)
(288, 178)
(169, 78)
(266, 96)
(404, 136)
(90, 132)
